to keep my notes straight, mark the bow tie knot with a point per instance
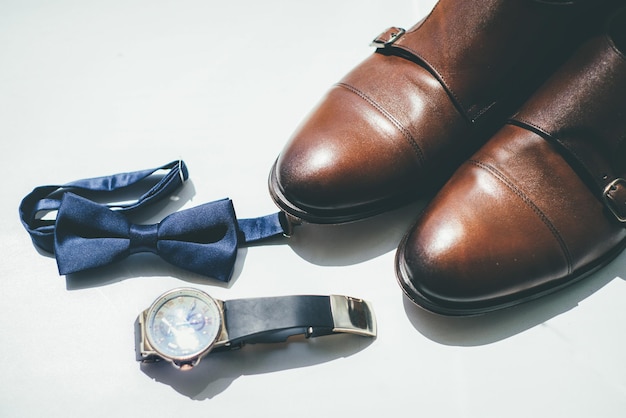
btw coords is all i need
(143, 238)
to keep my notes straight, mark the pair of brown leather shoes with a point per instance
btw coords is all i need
(541, 204)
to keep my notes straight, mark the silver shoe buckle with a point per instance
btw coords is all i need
(617, 208)
(388, 37)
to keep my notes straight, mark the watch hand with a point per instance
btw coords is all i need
(170, 327)
(191, 313)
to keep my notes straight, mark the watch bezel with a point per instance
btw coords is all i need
(189, 359)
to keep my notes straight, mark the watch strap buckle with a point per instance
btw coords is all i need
(352, 316)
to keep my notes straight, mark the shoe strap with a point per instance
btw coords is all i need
(582, 111)
(487, 67)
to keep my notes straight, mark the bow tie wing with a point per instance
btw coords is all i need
(88, 235)
(202, 239)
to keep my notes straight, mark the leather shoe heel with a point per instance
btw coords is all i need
(538, 207)
(403, 120)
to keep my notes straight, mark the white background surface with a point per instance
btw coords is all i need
(95, 88)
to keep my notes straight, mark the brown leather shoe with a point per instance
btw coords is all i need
(539, 206)
(399, 124)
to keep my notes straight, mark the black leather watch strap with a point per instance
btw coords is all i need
(274, 319)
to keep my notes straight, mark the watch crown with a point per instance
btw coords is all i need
(184, 366)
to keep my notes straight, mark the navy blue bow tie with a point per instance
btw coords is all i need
(85, 234)
(203, 239)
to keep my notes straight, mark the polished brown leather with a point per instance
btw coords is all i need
(397, 125)
(540, 205)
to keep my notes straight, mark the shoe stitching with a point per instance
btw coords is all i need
(544, 218)
(405, 132)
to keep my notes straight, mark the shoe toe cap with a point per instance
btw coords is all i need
(477, 246)
(344, 156)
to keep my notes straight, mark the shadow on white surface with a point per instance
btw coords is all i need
(496, 326)
(356, 242)
(216, 372)
(142, 267)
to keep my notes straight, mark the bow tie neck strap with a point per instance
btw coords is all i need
(258, 229)
(48, 198)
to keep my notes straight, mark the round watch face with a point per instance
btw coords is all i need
(183, 324)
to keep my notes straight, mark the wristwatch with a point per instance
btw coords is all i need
(183, 325)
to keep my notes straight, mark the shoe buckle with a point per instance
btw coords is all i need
(615, 198)
(388, 37)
